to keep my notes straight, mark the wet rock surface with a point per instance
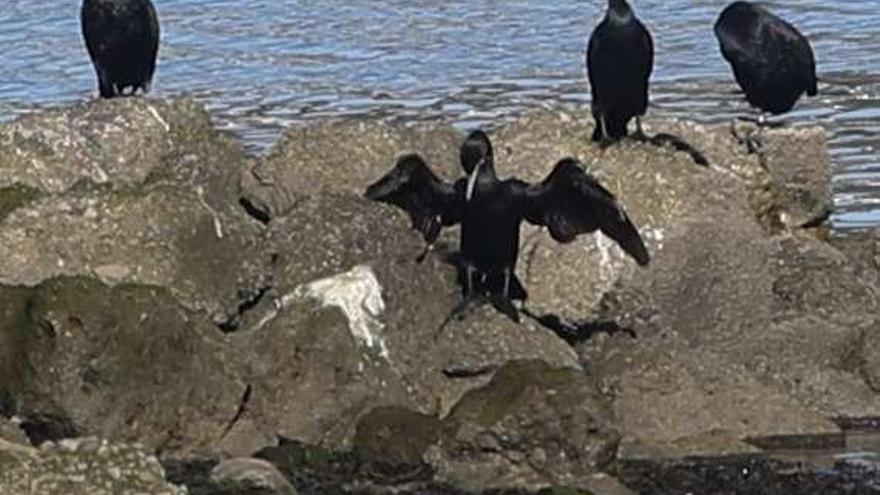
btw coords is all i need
(83, 466)
(160, 286)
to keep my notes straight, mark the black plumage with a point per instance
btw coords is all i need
(122, 38)
(620, 58)
(772, 62)
(569, 202)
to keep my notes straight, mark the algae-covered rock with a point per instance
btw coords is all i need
(126, 363)
(166, 236)
(381, 433)
(85, 466)
(130, 190)
(530, 426)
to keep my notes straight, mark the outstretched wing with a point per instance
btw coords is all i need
(570, 202)
(413, 187)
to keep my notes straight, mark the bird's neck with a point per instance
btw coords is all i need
(619, 10)
(483, 176)
(487, 171)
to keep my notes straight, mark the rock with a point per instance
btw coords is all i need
(10, 431)
(123, 270)
(84, 467)
(243, 474)
(123, 143)
(380, 435)
(165, 236)
(870, 357)
(595, 484)
(342, 156)
(862, 250)
(659, 188)
(341, 337)
(131, 190)
(530, 426)
(125, 362)
(735, 331)
(673, 401)
(746, 474)
(159, 285)
(797, 160)
(604, 484)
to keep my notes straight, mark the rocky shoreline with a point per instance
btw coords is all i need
(161, 287)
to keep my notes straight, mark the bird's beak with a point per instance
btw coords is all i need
(472, 181)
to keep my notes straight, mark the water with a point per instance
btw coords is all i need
(261, 65)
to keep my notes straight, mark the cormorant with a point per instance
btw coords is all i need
(122, 37)
(772, 62)
(569, 202)
(620, 58)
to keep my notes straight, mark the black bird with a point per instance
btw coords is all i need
(122, 37)
(568, 202)
(772, 62)
(620, 58)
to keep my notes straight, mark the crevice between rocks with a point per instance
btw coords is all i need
(249, 300)
(256, 211)
(574, 333)
(242, 408)
(47, 427)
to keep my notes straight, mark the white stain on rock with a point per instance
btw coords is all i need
(358, 294)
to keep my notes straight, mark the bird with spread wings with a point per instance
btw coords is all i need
(569, 202)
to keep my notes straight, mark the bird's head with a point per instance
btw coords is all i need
(476, 158)
(619, 9)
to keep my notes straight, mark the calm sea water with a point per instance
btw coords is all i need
(260, 65)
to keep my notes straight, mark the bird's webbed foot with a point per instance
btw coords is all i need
(753, 141)
(505, 306)
(640, 134)
(424, 253)
(606, 142)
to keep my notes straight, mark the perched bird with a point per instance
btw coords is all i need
(122, 37)
(772, 62)
(569, 202)
(620, 58)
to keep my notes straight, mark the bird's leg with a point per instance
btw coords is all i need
(753, 144)
(502, 301)
(430, 231)
(640, 132)
(605, 140)
(755, 141)
(461, 309)
(421, 257)
(468, 281)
